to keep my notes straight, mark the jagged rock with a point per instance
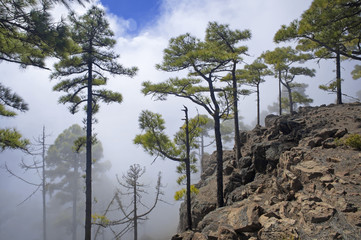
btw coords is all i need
(340, 133)
(245, 219)
(327, 133)
(287, 126)
(309, 170)
(270, 120)
(275, 228)
(226, 232)
(355, 218)
(291, 182)
(241, 219)
(188, 235)
(245, 162)
(329, 143)
(199, 236)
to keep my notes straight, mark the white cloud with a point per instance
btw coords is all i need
(118, 124)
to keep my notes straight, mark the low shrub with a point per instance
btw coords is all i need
(351, 140)
(354, 141)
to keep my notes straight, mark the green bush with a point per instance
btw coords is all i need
(354, 141)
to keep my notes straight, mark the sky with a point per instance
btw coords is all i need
(142, 30)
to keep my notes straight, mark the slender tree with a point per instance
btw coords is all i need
(282, 60)
(329, 28)
(40, 168)
(133, 185)
(87, 67)
(157, 143)
(299, 97)
(134, 188)
(253, 74)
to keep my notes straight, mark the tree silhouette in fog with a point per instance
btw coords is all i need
(132, 214)
(65, 171)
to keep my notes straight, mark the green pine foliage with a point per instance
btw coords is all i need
(93, 57)
(356, 73)
(27, 37)
(11, 139)
(179, 195)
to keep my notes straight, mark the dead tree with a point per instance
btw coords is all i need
(131, 213)
(39, 148)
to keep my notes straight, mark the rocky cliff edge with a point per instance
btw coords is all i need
(295, 180)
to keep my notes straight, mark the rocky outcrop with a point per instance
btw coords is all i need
(293, 181)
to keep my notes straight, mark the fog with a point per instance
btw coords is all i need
(118, 123)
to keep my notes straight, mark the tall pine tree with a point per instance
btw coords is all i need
(83, 72)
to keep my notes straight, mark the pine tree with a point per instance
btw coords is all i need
(330, 29)
(87, 68)
(253, 74)
(157, 143)
(66, 167)
(283, 60)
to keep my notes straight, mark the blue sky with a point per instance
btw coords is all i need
(143, 12)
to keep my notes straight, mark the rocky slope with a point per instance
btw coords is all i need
(293, 181)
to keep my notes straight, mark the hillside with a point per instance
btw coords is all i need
(294, 181)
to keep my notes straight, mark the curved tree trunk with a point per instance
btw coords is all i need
(219, 147)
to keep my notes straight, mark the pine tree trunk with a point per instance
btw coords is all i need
(202, 153)
(219, 148)
(135, 215)
(235, 110)
(280, 92)
(75, 197)
(44, 186)
(338, 78)
(188, 175)
(88, 171)
(290, 99)
(258, 106)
